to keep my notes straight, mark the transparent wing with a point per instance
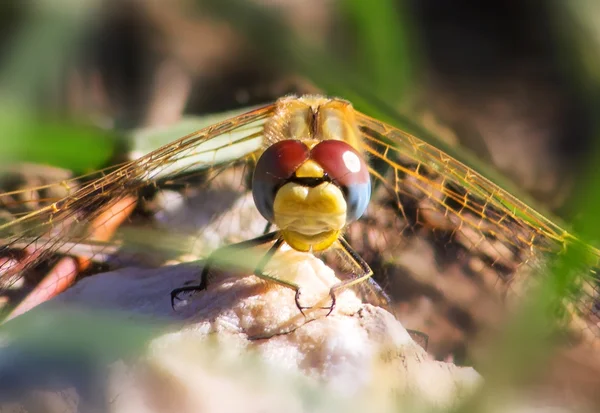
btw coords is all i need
(87, 214)
(468, 215)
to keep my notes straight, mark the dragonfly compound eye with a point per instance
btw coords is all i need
(276, 167)
(348, 170)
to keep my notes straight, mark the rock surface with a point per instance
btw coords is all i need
(242, 345)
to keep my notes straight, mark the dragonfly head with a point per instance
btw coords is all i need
(311, 194)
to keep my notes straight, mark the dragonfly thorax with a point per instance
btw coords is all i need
(312, 118)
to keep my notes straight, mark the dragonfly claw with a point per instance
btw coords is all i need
(301, 308)
(177, 291)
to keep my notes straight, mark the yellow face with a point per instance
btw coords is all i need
(310, 218)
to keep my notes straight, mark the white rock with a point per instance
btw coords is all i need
(243, 345)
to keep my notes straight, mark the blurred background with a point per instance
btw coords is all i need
(510, 87)
(513, 81)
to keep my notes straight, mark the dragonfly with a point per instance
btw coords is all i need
(324, 177)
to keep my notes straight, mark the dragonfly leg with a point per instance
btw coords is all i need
(367, 273)
(267, 227)
(259, 272)
(224, 251)
(421, 337)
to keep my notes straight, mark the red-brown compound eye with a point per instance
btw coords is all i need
(274, 168)
(348, 170)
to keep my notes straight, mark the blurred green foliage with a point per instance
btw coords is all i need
(49, 35)
(79, 148)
